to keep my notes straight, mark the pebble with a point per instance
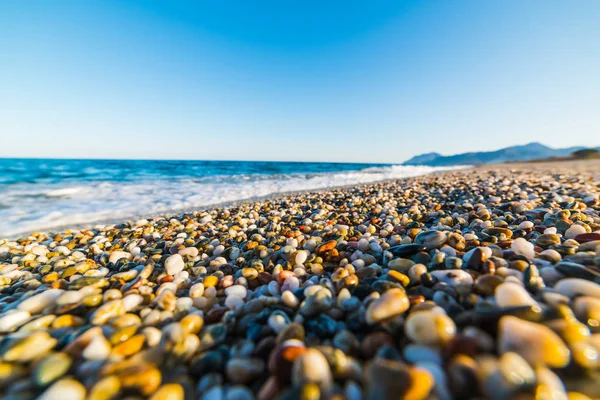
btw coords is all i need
(97, 349)
(573, 287)
(13, 319)
(35, 304)
(510, 294)
(431, 239)
(29, 347)
(453, 277)
(392, 303)
(244, 370)
(64, 389)
(430, 327)
(236, 291)
(174, 264)
(524, 248)
(574, 230)
(312, 367)
(117, 255)
(51, 368)
(535, 342)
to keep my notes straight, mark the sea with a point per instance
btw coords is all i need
(41, 194)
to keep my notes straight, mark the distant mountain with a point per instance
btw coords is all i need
(526, 152)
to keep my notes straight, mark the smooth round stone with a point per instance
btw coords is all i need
(108, 310)
(575, 270)
(196, 290)
(547, 240)
(117, 255)
(363, 245)
(169, 391)
(300, 257)
(289, 299)
(515, 370)
(51, 368)
(13, 319)
(587, 309)
(70, 297)
(588, 237)
(174, 264)
(574, 230)
(98, 349)
(510, 294)
(132, 301)
(536, 343)
(572, 287)
(551, 387)
(522, 247)
(36, 303)
(375, 247)
(416, 353)
(29, 348)
(64, 389)
(39, 250)
(483, 252)
(551, 255)
(318, 302)
(234, 303)
(391, 303)
(415, 272)
(453, 277)
(239, 393)
(277, 321)
(400, 264)
(188, 252)
(431, 239)
(429, 327)
(525, 225)
(311, 367)
(236, 291)
(244, 370)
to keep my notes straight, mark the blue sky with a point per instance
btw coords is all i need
(359, 81)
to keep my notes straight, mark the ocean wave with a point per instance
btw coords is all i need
(43, 206)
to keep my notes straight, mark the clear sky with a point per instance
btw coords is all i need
(372, 81)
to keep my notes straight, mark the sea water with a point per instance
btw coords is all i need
(39, 194)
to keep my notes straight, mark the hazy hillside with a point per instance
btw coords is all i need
(527, 152)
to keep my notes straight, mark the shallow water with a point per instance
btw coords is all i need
(38, 194)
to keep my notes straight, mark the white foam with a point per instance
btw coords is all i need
(38, 207)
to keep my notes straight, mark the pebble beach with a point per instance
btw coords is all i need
(471, 284)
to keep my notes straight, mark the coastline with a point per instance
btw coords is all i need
(194, 209)
(589, 163)
(373, 291)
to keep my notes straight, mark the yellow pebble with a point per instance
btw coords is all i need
(130, 346)
(210, 281)
(105, 389)
(67, 320)
(577, 396)
(192, 323)
(169, 391)
(400, 277)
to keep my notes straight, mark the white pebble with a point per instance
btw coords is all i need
(524, 248)
(174, 264)
(574, 230)
(237, 291)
